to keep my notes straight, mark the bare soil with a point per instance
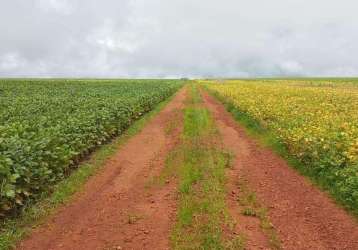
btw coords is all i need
(303, 216)
(119, 208)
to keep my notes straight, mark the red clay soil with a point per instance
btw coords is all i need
(118, 208)
(303, 216)
(247, 226)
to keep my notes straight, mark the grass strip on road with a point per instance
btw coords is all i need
(200, 162)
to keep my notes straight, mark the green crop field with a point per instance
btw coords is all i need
(46, 126)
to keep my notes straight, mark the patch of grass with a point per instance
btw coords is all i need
(13, 230)
(252, 207)
(200, 165)
(195, 97)
(325, 180)
(197, 122)
(133, 218)
(172, 164)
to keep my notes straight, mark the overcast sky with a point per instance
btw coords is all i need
(175, 38)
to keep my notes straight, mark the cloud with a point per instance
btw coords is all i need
(10, 61)
(196, 38)
(64, 7)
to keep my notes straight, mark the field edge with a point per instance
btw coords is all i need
(13, 230)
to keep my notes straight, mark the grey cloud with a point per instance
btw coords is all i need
(156, 38)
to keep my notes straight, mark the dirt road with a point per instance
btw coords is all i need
(120, 209)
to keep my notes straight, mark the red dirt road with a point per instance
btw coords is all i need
(303, 216)
(118, 208)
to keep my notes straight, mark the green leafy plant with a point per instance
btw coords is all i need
(48, 126)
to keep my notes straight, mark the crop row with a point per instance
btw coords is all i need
(47, 126)
(317, 124)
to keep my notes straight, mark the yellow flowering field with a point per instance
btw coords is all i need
(317, 123)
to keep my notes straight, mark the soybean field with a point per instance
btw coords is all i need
(47, 126)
